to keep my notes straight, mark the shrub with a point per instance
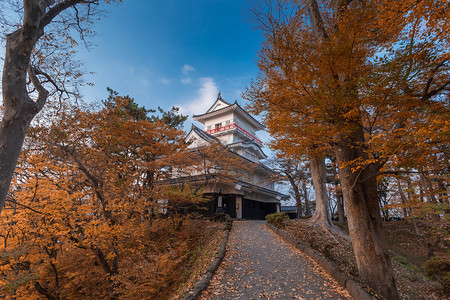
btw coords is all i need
(341, 226)
(277, 219)
(229, 224)
(195, 216)
(438, 268)
(221, 217)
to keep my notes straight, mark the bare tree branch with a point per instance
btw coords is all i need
(42, 92)
(57, 9)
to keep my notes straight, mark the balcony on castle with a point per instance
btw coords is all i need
(234, 126)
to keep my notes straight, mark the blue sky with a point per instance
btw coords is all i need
(173, 52)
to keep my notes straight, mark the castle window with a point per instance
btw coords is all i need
(218, 125)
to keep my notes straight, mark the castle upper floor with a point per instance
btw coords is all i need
(230, 123)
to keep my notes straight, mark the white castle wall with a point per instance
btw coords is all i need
(244, 124)
(224, 119)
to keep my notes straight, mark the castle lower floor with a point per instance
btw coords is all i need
(238, 206)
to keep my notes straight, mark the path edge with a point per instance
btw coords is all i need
(203, 284)
(352, 287)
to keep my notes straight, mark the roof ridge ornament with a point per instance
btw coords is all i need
(219, 96)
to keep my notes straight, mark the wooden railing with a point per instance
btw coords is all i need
(232, 126)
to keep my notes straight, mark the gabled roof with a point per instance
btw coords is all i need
(195, 131)
(224, 107)
(248, 144)
(220, 103)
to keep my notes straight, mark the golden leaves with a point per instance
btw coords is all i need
(369, 73)
(87, 190)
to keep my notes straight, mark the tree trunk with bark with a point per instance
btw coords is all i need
(298, 197)
(427, 188)
(338, 193)
(19, 108)
(341, 210)
(403, 199)
(305, 195)
(318, 173)
(364, 219)
(359, 190)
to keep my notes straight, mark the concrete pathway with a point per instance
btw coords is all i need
(260, 265)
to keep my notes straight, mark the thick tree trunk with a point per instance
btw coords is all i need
(12, 135)
(19, 109)
(364, 218)
(360, 193)
(318, 173)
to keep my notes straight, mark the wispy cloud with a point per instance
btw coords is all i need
(187, 80)
(186, 69)
(206, 95)
(144, 81)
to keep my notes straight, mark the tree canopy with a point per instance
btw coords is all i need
(360, 80)
(89, 181)
(39, 46)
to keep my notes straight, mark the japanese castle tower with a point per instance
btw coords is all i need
(250, 198)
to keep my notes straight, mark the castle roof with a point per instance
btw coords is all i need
(249, 144)
(221, 106)
(220, 102)
(202, 134)
(208, 138)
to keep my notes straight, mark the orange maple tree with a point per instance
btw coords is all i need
(88, 186)
(355, 79)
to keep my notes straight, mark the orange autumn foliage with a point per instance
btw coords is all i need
(366, 82)
(79, 220)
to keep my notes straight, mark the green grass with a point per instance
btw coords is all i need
(403, 261)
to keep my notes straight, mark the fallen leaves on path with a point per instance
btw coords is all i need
(260, 265)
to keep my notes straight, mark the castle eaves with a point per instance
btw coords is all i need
(232, 108)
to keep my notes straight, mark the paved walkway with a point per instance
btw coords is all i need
(260, 265)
